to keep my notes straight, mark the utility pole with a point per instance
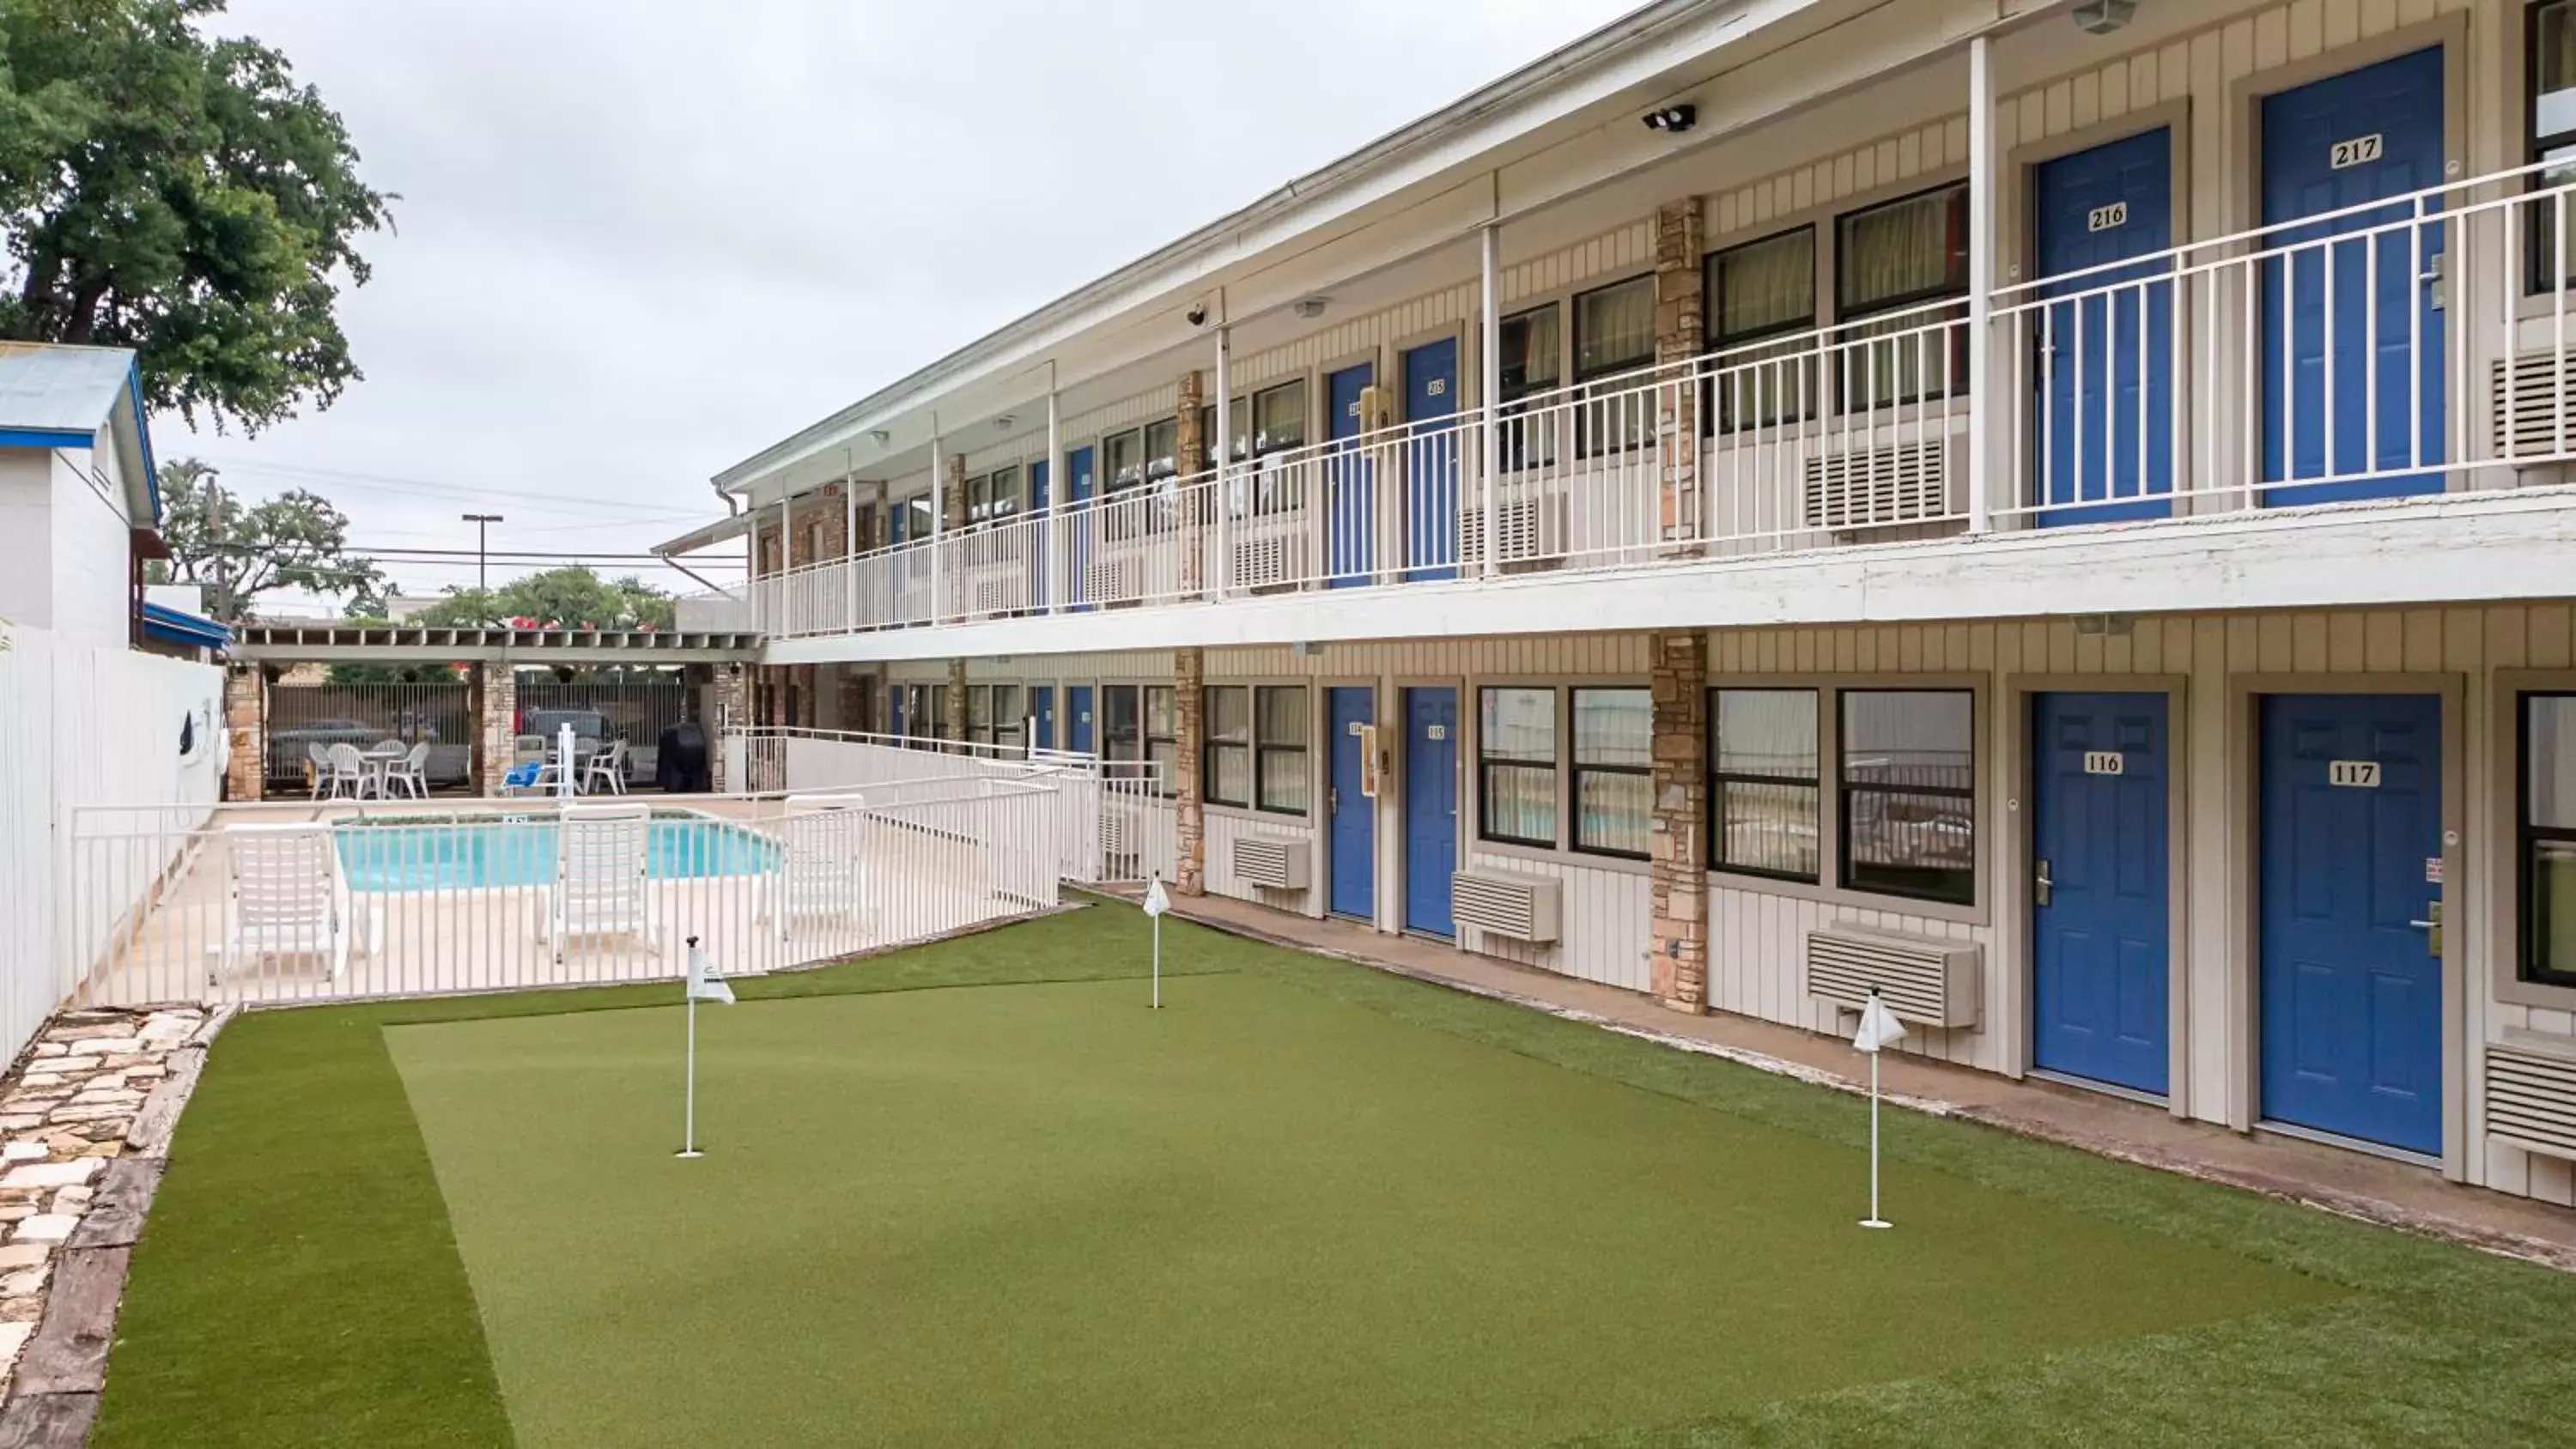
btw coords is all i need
(215, 546)
(482, 545)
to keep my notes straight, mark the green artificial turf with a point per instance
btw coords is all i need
(1308, 1203)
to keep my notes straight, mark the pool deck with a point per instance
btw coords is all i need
(464, 937)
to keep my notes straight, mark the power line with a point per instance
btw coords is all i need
(544, 502)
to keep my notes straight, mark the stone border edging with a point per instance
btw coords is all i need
(53, 1391)
(2375, 1211)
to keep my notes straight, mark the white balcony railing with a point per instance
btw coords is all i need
(2411, 345)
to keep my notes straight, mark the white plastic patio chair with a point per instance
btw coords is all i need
(285, 897)
(605, 769)
(820, 872)
(321, 759)
(600, 886)
(410, 774)
(349, 777)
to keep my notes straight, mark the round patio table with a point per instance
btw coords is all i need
(380, 759)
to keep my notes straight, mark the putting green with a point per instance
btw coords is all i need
(1043, 1215)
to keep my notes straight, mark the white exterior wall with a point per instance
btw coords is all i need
(91, 548)
(27, 537)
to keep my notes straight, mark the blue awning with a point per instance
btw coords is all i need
(191, 630)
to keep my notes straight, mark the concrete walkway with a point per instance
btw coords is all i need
(2350, 1183)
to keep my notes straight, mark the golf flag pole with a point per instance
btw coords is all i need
(1879, 1029)
(705, 984)
(1155, 904)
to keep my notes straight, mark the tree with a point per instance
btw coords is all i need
(237, 550)
(180, 195)
(572, 597)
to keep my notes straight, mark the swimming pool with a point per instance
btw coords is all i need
(436, 855)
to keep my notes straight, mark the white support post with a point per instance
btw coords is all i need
(850, 538)
(785, 616)
(1222, 449)
(938, 521)
(1057, 483)
(1983, 405)
(1489, 389)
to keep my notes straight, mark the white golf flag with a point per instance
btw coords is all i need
(705, 984)
(1155, 901)
(1878, 1027)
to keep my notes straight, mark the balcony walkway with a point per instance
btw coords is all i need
(2352, 1184)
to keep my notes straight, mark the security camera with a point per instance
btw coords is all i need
(1673, 119)
(2101, 17)
(1197, 314)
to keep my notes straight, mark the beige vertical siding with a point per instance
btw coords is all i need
(1606, 934)
(1224, 827)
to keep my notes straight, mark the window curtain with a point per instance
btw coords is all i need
(1614, 328)
(1765, 287)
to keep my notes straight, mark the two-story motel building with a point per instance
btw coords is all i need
(2065, 516)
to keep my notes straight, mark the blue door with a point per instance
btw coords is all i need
(1042, 710)
(2352, 330)
(894, 710)
(2351, 855)
(2105, 363)
(1038, 596)
(1354, 827)
(1350, 483)
(1077, 722)
(1431, 460)
(1079, 481)
(1430, 808)
(2101, 923)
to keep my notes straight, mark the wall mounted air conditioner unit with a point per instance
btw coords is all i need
(1525, 530)
(1875, 487)
(1272, 862)
(1924, 980)
(2526, 395)
(1520, 907)
(2531, 1093)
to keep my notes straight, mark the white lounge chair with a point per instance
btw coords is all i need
(820, 873)
(605, 770)
(284, 897)
(600, 886)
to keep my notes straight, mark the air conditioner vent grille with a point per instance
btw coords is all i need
(1925, 981)
(1520, 907)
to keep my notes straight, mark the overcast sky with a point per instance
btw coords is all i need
(641, 239)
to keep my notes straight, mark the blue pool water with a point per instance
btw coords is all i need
(424, 856)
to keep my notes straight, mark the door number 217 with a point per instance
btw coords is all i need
(2359, 151)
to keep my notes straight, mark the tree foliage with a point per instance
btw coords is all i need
(572, 597)
(181, 195)
(237, 549)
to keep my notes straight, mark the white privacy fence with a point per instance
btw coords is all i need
(273, 904)
(2408, 345)
(79, 723)
(1114, 819)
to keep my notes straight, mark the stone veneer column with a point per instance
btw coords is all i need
(1195, 511)
(1189, 791)
(1680, 335)
(956, 699)
(858, 700)
(731, 681)
(246, 722)
(1679, 898)
(497, 686)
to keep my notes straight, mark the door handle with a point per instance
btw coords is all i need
(2432, 928)
(1333, 800)
(2042, 886)
(2432, 278)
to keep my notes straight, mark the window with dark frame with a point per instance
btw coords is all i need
(1228, 764)
(2550, 78)
(1531, 358)
(979, 713)
(1009, 726)
(1516, 766)
(1614, 334)
(1908, 793)
(1895, 258)
(1122, 737)
(1755, 291)
(1278, 425)
(1281, 772)
(1122, 459)
(1163, 735)
(1614, 785)
(2545, 847)
(1162, 449)
(1239, 418)
(1762, 783)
